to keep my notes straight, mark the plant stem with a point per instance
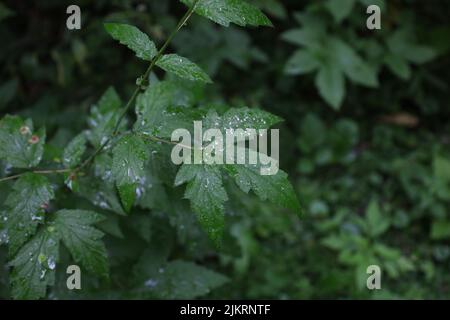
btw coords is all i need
(181, 23)
(37, 172)
(91, 158)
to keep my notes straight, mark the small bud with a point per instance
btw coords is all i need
(44, 206)
(34, 139)
(25, 130)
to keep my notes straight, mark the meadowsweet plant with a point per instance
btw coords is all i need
(118, 163)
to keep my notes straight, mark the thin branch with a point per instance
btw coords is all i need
(182, 22)
(91, 158)
(36, 172)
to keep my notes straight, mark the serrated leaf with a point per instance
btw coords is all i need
(74, 151)
(20, 146)
(31, 193)
(127, 193)
(183, 68)
(331, 85)
(103, 118)
(129, 156)
(133, 38)
(274, 188)
(101, 192)
(207, 196)
(157, 112)
(82, 239)
(225, 12)
(34, 266)
(244, 118)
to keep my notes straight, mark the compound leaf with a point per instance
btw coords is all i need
(83, 240)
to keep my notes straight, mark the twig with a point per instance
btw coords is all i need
(91, 158)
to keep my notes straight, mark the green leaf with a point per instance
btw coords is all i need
(82, 239)
(225, 12)
(441, 168)
(186, 280)
(244, 118)
(182, 68)
(20, 146)
(127, 193)
(74, 151)
(308, 37)
(157, 112)
(34, 266)
(101, 192)
(440, 230)
(133, 38)
(103, 118)
(301, 62)
(398, 66)
(377, 223)
(402, 43)
(331, 85)
(176, 279)
(129, 156)
(207, 196)
(340, 9)
(31, 194)
(352, 64)
(274, 188)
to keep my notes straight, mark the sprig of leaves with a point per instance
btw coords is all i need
(35, 232)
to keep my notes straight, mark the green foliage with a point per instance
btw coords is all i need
(133, 38)
(183, 68)
(75, 229)
(372, 175)
(74, 151)
(178, 279)
(20, 146)
(225, 12)
(30, 195)
(275, 188)
(207, 196)
(34, 266)
(104, 117)
(129, 156)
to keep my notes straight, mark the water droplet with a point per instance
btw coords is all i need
(151, 283)
(51, 263)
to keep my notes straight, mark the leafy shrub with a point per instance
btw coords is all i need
(372, 175)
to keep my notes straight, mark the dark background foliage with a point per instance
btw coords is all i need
(373, 176)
